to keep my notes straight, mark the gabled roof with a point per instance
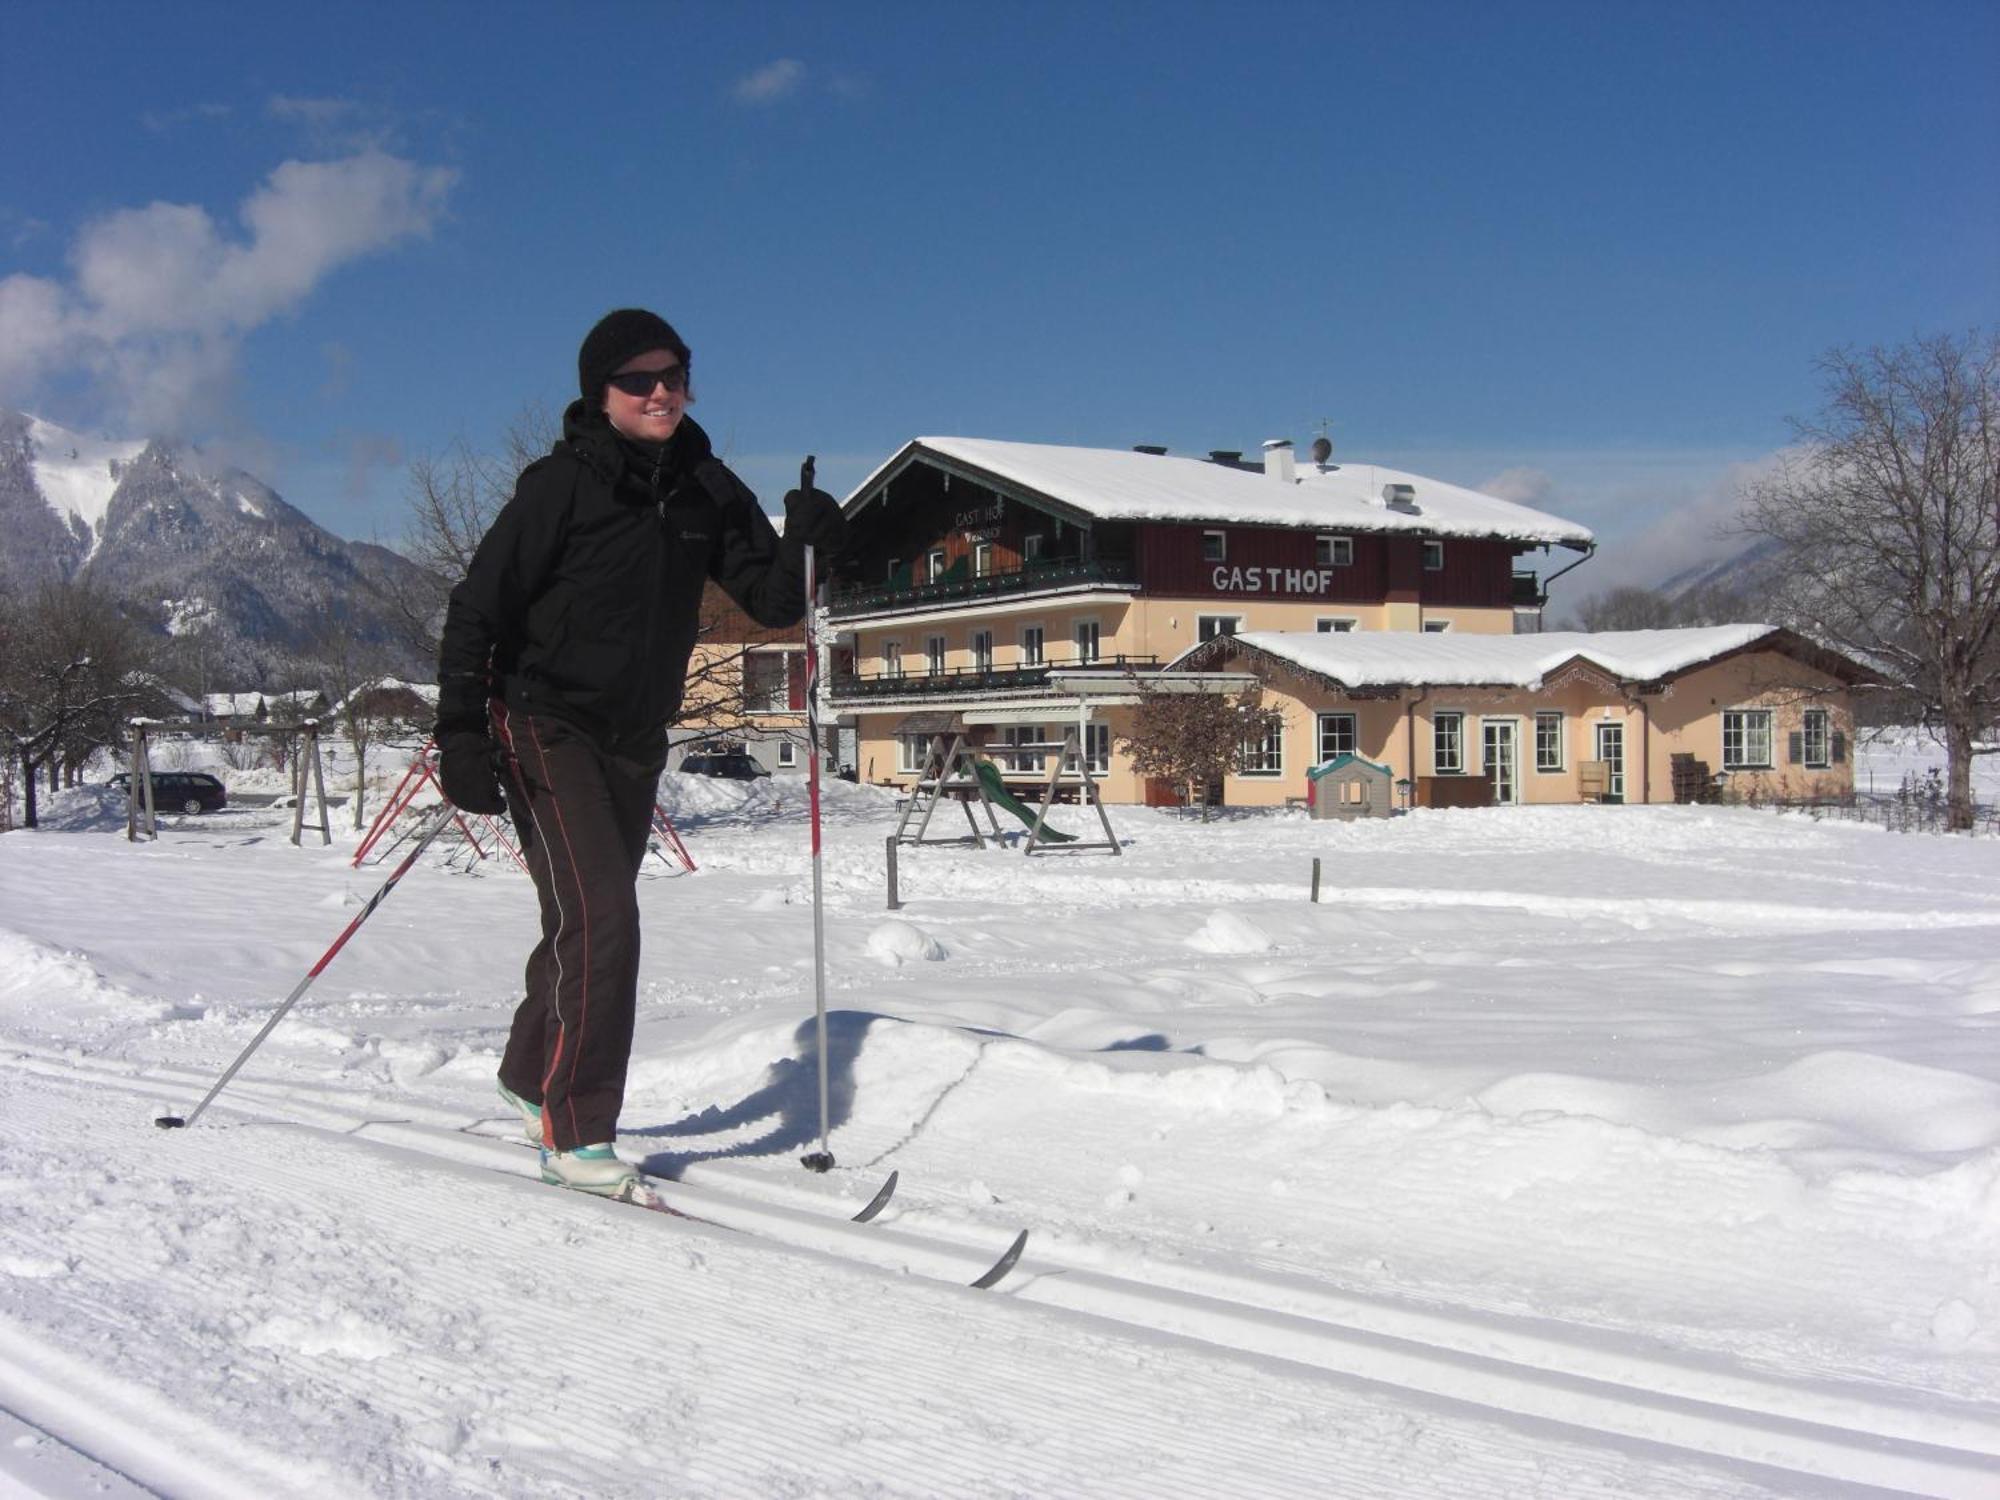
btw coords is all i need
(1412, 659)
(1116, 484)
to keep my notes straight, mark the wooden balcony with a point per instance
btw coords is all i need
(961, 585)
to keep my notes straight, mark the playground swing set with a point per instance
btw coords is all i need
(306, 771)
(958, 768)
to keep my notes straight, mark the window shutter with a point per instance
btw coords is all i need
(1839, 748)
(795, 680)
(1795, 747)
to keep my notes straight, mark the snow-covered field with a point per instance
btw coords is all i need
(1564, 1151)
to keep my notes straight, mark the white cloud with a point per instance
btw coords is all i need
(1688, 525)
(162, 296)
(771, 82)
(160, 122)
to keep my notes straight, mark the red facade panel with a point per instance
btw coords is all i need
(1274, 563)
(1476, 574)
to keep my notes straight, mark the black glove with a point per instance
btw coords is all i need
(469, 767)
(814, 518)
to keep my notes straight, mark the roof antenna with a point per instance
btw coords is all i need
(1322, 448)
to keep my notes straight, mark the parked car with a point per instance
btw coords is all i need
(731, 765)
(187, 791)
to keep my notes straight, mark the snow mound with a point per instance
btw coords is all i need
(83, 809)
(1227, 932)
(1827, 1099)
(770, 799)
(895, 943)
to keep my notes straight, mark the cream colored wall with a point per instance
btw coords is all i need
(1686, 719)
(1160, 628)
(1689, 718)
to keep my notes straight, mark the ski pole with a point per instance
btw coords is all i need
(822, 1159)
(444, 815)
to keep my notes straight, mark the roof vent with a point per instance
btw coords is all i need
(1158, 450)
(1400, 496)
(1322, 450)
(1230, 456)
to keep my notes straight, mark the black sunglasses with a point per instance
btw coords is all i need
(641, 382)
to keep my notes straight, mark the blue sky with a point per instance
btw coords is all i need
(1582, 254)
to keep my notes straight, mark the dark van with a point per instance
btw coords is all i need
(181, 791)
(731, 765)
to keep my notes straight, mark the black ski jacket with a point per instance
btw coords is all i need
(583, 600)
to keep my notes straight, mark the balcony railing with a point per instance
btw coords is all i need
(1528, 593)
(848, 686)
(902, 592)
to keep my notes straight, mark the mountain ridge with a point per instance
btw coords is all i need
(204, 553)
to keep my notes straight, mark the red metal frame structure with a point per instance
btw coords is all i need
(423, 773)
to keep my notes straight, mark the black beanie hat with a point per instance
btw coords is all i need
(620, 336)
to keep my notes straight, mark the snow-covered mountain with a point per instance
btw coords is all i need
(1747, 573)
(194, 547)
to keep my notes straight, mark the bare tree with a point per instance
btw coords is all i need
(453, 497)
(72, 669)
(1629, 607)
(1193, 739)
(1888, 522)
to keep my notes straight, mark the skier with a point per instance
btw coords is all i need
(564, 656)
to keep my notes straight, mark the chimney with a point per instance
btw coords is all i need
(1278, 460)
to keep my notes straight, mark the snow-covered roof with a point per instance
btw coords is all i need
(1117, 484)
(1412, 658)
(243, 705)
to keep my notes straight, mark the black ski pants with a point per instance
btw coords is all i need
(583, 817)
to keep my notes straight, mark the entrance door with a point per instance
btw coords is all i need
(1611, 750)
(1503, 759)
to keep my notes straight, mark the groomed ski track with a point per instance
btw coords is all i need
(1321, 1392)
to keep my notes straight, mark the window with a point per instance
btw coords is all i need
(1334, 551)
(1031, 645)
(1433, 557)
(892, 658)
(1265, 755)
(1086, 640)
(1436, 627)
(894, 563)
(1031, 547)
(1448, 744)
(1816, 744)
(982, 559)
(766, 682)
(1214, 546)
(788, 755)
(934, 565)
(1746, 739)
(1022, 760)
(1336, 736)
(1097, 748)
(1335, 624)
(912, 751)
(1548, 741)
(934, 655)
(1208, 627)
(982, 650)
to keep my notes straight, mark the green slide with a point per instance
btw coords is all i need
(996, 791)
